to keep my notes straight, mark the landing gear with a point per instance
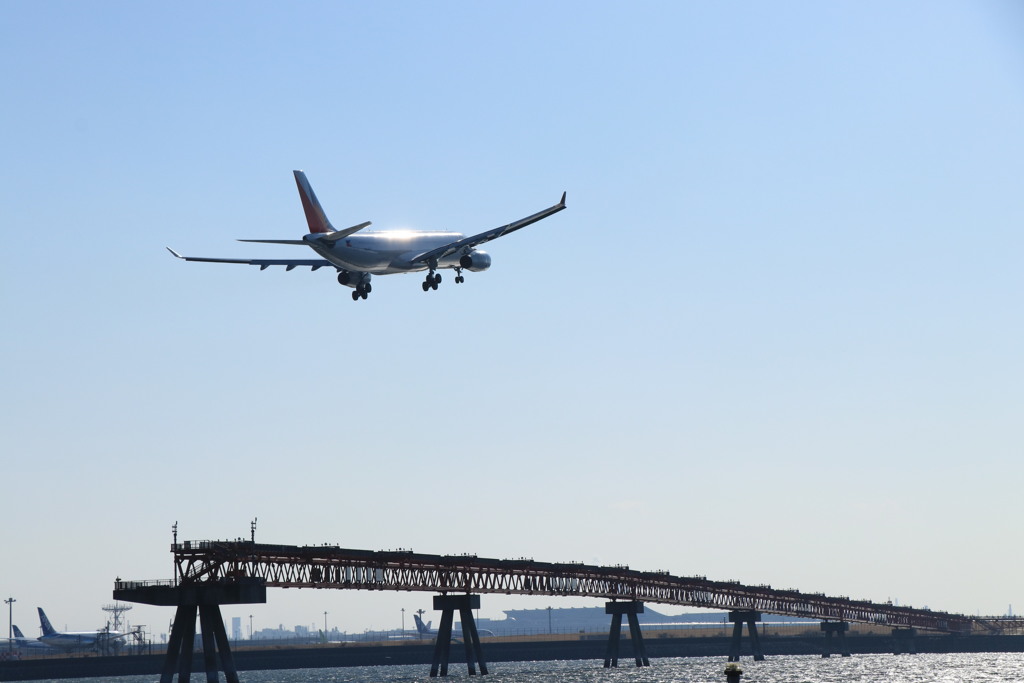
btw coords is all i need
(362, 291)
(432, 281)
(459, 279)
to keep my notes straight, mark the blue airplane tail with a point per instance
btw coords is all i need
(423, 629)
(48, 629)
(17, 631)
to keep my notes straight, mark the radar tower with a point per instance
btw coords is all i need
(116, 609)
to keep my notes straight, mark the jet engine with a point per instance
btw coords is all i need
(352, 279)
(475, 261)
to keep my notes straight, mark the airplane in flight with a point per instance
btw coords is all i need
(357, 255)
(73, 640)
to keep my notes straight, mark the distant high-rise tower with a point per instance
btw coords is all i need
(236, 628)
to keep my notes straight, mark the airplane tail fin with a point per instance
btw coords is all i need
(17, 631)
(423, 629)
(48, 629)
(315, 216)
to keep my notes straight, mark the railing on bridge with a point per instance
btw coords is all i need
(121, 584)
(327, 566)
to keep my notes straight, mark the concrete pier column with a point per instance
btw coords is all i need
(205, 600)
(187, 642)
(835, 628)
(442, 647)
(630, 609)
(611, 653)
(181, 615)
(903, 642)
(738, 618)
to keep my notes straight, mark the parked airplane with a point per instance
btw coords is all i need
(426, 632)
(20, 642)
(72, 640)
(358, 256)
(421, 628)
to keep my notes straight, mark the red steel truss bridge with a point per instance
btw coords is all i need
(285, 566)
(213, 573)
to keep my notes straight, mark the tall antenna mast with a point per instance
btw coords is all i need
(117, 609)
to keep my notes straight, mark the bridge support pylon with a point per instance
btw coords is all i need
(738, 618)
(903, 641)
(190, 599)
(630, 609)
(837, 628)
(442, 647)
(215, 641)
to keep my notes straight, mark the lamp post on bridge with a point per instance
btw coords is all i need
(325, 625)
(403, 621)
(549, 621)
(10, 623)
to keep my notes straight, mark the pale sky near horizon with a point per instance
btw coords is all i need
(776, 336)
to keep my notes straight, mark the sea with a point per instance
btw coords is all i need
(920, 668)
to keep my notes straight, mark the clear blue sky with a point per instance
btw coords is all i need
(776, 337)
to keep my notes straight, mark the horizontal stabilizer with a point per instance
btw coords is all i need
(342, 234)
(274, 241)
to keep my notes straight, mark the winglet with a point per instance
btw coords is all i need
(562, 203)
(175, 253)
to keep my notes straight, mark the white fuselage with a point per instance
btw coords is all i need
(383, 253)
(75, 640)
(22, 644)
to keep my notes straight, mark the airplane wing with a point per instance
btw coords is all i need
(313, 264)
(467, 243)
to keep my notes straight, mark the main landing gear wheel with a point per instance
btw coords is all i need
(459, 279)
(432, 281)
(362, 291)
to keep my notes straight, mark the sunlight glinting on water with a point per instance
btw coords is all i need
(923, 668)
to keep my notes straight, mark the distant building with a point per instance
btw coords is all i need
(236, 628)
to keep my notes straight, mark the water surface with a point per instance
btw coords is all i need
(922, 668)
